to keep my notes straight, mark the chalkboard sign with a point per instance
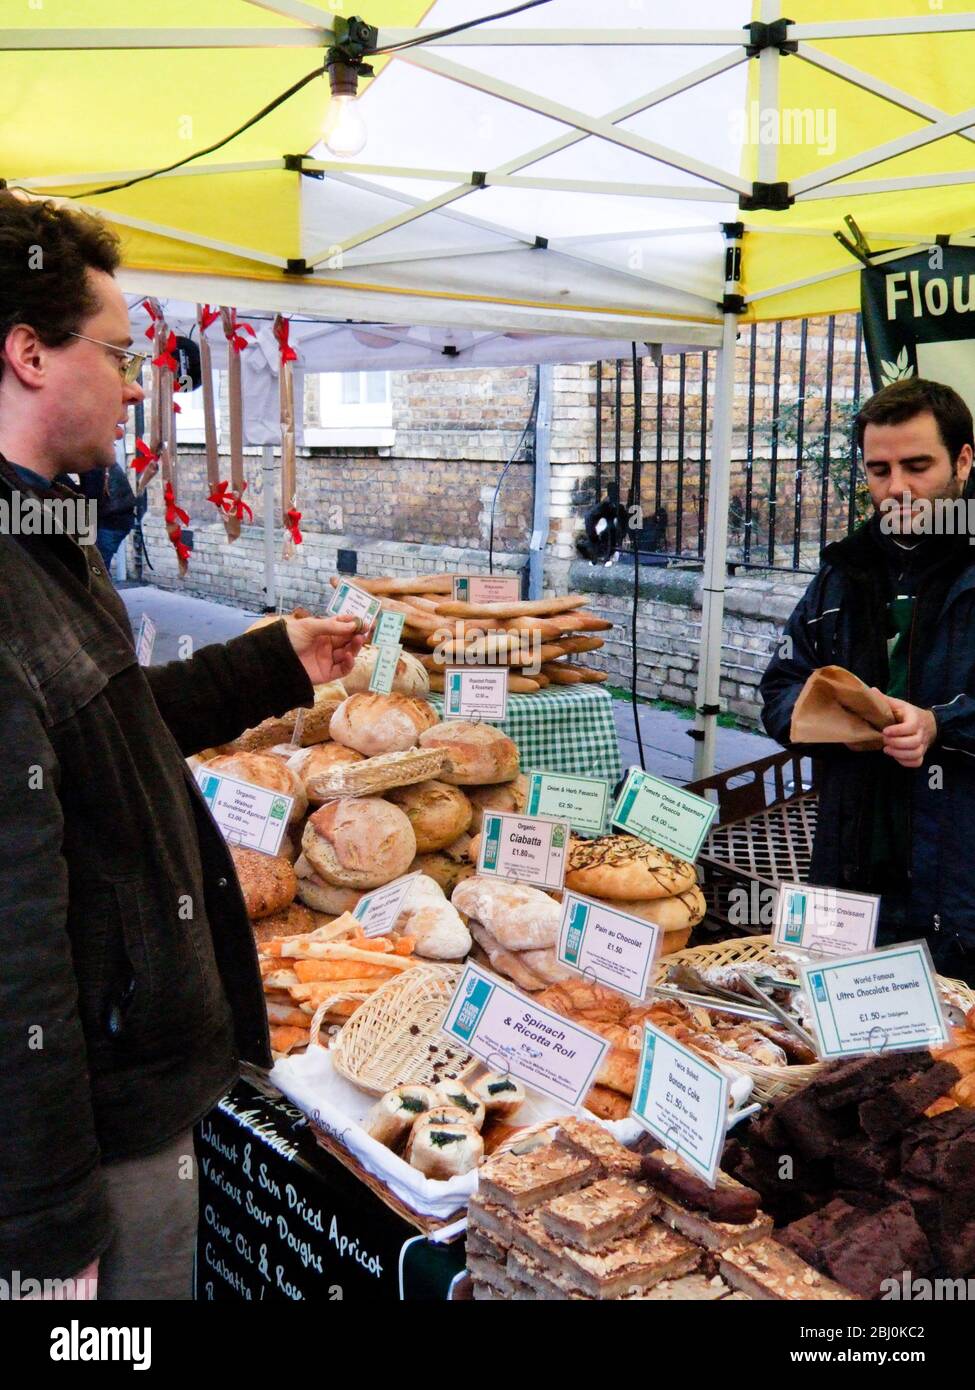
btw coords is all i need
(282, 1219)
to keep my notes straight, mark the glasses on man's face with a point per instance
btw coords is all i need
(129, 363)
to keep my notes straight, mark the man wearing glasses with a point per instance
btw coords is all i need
(129, 989)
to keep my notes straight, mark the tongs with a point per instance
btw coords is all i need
(779, 1014)
(736, 1006)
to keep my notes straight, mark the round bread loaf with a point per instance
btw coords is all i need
(309, 763)
(267, 882)
(437, 812)
(359, 842)
(295, 920)
(623, 868)
(265, 735)
(673, 915)
(375, 724)
(479, 753)
(263, 771)
(409, 678)
(501, 796)
(314, 728)
(675, 940)
(443, 869)
(319, 895)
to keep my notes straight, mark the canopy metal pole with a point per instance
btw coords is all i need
(269, 473)
(716, 549)
(543, 481)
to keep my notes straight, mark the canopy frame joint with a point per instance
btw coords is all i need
(763, 36)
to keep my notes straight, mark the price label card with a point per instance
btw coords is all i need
(487, 588)
(886, 1001)
(247, 815)
(665, 815)
(379, 910)
(384, 669)
(530, 850)
(389, 629)
(475, 693)
(350, 602)
(682, 1101)
(145, 641)
(824, 921)
(510, 1032)
(610, 946)
(582, 801)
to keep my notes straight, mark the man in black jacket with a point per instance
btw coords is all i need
(895, 603)
(129, 989)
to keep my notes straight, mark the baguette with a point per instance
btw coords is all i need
(417, 584)
(531, 675)
(495, 652)
(517, 685)
(420, 621)
(561, 675)
(580, 644)
(570, 622)
(534, 607)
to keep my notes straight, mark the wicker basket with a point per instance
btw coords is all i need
(380, 774)
(770, 1083)
(387, 1040)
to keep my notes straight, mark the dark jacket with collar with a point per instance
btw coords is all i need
(840, 621)
(129, 987)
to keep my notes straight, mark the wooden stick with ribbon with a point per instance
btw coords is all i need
(236, 343)
(205, 315)
(164, 367)
(289, 481)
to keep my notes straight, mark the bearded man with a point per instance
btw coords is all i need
(895, 604)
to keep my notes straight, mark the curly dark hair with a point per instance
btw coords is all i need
(915, 395)
(44, 253)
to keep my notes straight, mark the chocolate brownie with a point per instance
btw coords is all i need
(948, 1221)
(880, 1247)
(729, 1201)
(860, 1163)
(858, 1078)
(814, 1132)
(955, 1251)
(903, 1102)
(812, 1234)
(941, 1151)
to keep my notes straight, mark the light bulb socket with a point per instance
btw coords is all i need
(343, 75)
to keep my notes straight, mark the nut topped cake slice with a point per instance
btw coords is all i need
(598, 1214)
(595, 1142)
(520, 1181)
(769, 1271)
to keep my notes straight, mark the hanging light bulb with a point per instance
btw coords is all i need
(344, 130)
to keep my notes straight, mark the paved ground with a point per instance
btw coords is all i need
(667, 749)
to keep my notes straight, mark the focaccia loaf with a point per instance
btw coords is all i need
(623, 868)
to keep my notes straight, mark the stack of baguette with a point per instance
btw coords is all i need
(538, 640)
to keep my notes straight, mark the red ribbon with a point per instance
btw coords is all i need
(182, 552)
(220, 499)
(207, 316)
(172, 511)
(282, 331)
(145, 456)
(166, 358)
(237, 330)
(151, 330)
(293, 519)
(238, 506)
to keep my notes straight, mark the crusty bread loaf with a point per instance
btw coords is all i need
(497, 796)
(319, 895)
(264, 735)
(438, 813)
(309, 763)
(625, 868)
(375, 724)
(540, 607)
(478, 753)
(267, 882)
(294, 920)
(518, 917)
(263, 771)
(508, 963)
(409, 677)
(359, 842)
(443, 868)
(317, 717)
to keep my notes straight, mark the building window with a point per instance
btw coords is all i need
(347, 408)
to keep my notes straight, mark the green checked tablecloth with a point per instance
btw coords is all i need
(570, 729)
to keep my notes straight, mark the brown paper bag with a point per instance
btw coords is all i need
(834, 706)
